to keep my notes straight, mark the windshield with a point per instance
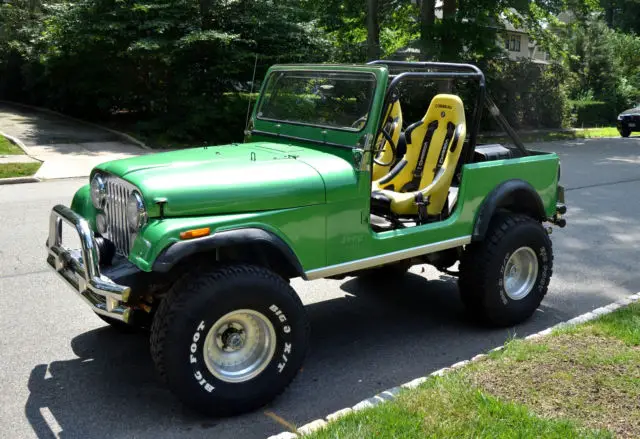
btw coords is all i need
(338, 100)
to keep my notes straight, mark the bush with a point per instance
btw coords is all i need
(589, 113)
(529, 95)
(203, 121)
(167, 69)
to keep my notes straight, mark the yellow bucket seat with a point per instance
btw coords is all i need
(393, 126)
(421, 181)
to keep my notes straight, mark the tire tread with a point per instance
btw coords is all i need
(177, 298)
(477, 257)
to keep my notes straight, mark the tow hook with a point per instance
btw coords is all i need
(557, 219)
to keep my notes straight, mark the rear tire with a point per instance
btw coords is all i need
(625, 133)
(229, 340)
(504, 278)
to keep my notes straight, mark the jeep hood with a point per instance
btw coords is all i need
(227, 179)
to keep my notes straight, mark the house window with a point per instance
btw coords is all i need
(512, 43)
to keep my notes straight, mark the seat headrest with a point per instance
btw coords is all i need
(446, 106)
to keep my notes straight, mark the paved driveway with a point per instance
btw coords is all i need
(67, 148)
(64, 373)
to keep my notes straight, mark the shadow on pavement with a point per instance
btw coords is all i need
(376, 337)
(41, 128)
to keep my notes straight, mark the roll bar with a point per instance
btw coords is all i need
(448, 70)
(431, 65)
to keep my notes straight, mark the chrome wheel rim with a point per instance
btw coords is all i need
(520, 273)
(239, 346)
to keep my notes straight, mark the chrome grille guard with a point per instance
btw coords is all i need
(80, 269)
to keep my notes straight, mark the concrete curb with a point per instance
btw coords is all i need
(18, 143)
(120, 134)
(390, 394)
(16, 180)
(22, 146)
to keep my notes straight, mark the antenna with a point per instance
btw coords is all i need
(253, 80)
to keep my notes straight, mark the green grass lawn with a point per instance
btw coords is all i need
(579, 382)
(8, 148)
(18, 169)
(584, 133)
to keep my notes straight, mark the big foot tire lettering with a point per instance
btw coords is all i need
(230, 340)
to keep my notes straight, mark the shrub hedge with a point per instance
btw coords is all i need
(590, 113)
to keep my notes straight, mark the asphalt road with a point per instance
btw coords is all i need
(63, 373)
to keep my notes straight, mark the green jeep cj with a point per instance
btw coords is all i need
(199, 245)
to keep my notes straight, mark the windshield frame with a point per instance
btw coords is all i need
(326, 127)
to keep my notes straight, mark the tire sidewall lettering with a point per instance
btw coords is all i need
(195, 354)
(279, 362)
(287, 348)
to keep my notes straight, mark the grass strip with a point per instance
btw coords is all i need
(580, 382)
(8, 148)
(18, 169)
(584, 133)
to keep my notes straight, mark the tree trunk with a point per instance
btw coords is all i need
(449, 45)
(373, 31)
(449, 8)
(427, 20)
(609, 13)
(205, 14)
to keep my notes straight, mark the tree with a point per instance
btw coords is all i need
(623, 15)
(592, 60)
(427, 21)
(373, 30)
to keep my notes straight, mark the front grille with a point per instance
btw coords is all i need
(116, 210)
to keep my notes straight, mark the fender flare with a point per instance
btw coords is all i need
(516, 195)
(176, 252)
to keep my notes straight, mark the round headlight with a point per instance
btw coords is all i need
(98, 191)
(136, 212)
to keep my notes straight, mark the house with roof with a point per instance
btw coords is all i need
(519, 45)
(516, 41)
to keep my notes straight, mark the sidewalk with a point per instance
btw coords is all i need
(66, 148)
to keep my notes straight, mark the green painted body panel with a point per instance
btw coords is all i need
(349, 238)
(303, 229)
(313, 195)
(339, 232)
(82, 205)
(231, 178)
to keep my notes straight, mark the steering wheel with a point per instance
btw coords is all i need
(394, 151)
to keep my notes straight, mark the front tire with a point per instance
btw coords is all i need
(229, 340)
(504, 278)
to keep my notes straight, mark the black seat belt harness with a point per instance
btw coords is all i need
(417, 172)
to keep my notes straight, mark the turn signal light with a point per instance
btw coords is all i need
(195, 233)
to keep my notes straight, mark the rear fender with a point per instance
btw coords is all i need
(514, 195)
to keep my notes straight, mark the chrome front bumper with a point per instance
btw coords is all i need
(80, 268)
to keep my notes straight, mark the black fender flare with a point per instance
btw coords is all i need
(516, 195)
(178, 251)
